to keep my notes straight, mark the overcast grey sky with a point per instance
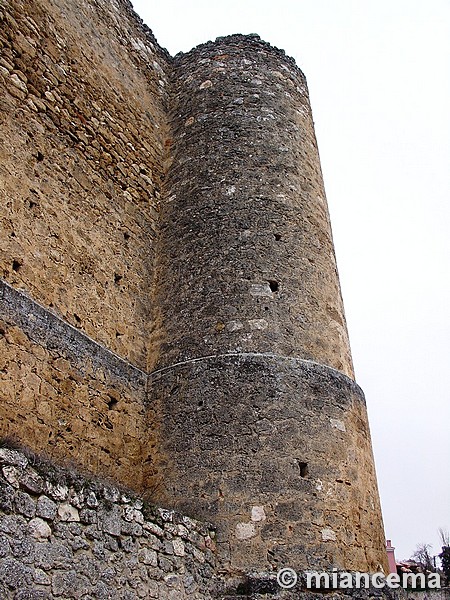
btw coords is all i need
(379, 78)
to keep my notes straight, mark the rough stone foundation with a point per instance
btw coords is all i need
(65, 536)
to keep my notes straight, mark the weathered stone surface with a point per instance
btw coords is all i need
(12, 458)
(32, 483)
(271, 488)
(98, 179)
(24, 504)
(248, 212)
(39, 529)
(254, 373)
(67, 512)
(11, 475)
(14, 575)
(41, 577)
(110, 521)
(79, 165)
(46, 508)
(178, 547)
(90, 419)
(148, 557)
(69, 583)
(52, 556)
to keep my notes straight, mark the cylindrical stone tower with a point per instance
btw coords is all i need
(263, 430)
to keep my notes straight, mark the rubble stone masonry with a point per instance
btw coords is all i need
(65, 536)
(82, 116)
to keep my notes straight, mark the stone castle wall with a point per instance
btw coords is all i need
(246, 239)
(82, 150)
(65, 536)
(170, 304)
(82, 115)
(66, 396)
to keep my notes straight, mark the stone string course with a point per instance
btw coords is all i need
(64, 536)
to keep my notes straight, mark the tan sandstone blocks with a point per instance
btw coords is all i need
(81, 151)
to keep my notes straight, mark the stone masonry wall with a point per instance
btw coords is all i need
(65, 536)
(277, 451)
(263, 429)
(82, 114)
(63, 394)
(82, 148)
(246, 241)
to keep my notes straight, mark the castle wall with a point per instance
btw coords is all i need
(277, 451)
(171, 308)
(65, 396)
(65, 536)
(246, 242)
(81, 162)
(82, 118)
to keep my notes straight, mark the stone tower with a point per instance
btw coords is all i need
(170, 308)
(263, 428)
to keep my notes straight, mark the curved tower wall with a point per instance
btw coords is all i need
(247, 246)
(263, 429)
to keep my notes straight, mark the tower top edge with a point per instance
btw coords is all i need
(240, 41)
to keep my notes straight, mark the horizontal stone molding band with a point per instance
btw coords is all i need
(45, 327)
(295, 362)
